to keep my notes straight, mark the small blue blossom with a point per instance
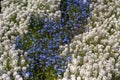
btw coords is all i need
(42, 56)
(31, 66)
(27, 73)
(68, 59)
(58, 73)
(47, 64)
(55, 67)
(18, 38)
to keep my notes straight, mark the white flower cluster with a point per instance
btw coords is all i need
(96, 53)
(14, 21)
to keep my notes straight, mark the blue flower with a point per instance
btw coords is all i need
(47, 63)
(49, 46)
(68, 59)
(39, 31)
(59, 72)
(44, 50)
(55, 67)
(42, 56)
(53, 60)
(66, 40)
(31, 66)
(39, 21)
(51, 51)
(18, 38)
(38, 49)
(45, 26)
(68, 7)
(63, 62)
(76, 1)
(27, 73)
(63, 19)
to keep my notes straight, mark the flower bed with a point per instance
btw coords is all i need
(60, 40)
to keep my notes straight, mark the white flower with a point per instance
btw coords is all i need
(16, 68)
(109, 75)
(51, 15)
(14, 62)
(22, 61)
(66, 74)
(5, 53)
(4, 76)
(73, 68)
(73, 77)
(1, 58)
(84, 1)
(9, 72)
(75, 61)
(95, 66)
(117, 65)
(15, 73)
(5, 62)
(78, 78)
(102, 72)
(107, 48)
(96, 38)
(112, 61)
(0, 78)
(24, 68)
(1, 67)
(27, 75)
(64, 79)
(8, 78)
(20, 79)
(104, 78)
(15, 56)
(79, 58)
(17, 77)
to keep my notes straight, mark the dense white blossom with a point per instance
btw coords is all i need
(97, 50)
